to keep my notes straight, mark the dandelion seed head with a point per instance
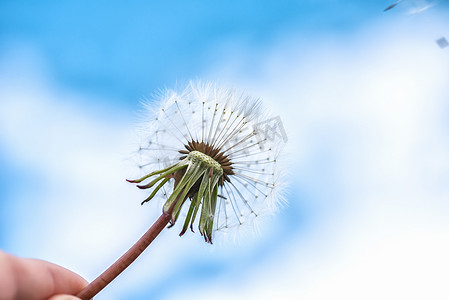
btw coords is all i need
(217, 165)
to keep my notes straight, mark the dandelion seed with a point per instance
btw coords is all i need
(414, 7)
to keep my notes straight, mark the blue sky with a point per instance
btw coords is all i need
(128, 50)
(363, 97)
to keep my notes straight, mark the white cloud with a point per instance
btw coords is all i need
(373, 102)
(81, 213)
(377, 101)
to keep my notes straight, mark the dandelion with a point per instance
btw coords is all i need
(205, 147)
(212, 156)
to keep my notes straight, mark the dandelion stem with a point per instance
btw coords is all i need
(126, 259)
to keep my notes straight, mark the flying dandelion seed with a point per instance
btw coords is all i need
(207, 152)
(414, 7)
(391, 6)
(442, 42)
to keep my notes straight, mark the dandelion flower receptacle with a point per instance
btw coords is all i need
(211, 154)
(197, 176)
(212, 147)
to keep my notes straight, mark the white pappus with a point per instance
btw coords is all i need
(208, 153)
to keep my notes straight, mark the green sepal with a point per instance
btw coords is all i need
(170, 171)
(189, 214)
(208, 208)
(186, 178)
(155, 190)
(210, 221)
(200, 169)
(151, 174)
(194, 176)
(197, 206)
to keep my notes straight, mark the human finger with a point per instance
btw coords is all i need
(38, 279)
(63, 297)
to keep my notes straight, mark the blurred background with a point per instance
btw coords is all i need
(363, 94)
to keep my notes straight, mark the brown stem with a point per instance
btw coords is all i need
(126, 259)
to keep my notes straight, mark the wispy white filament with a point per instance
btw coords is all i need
(230, 121)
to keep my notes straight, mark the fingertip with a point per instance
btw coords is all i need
(38, 279)
(56, 280)
(64, 297)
